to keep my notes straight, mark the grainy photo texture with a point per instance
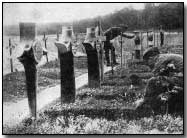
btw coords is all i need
(93, 68)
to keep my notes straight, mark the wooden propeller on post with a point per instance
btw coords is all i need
(30, 57)
(92, 58)
(66, 66)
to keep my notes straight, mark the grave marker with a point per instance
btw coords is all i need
(92, 58)
(45, 43)
(121, 42)
(100, 39)
(10, 50)
(30, 57)
(65, 54)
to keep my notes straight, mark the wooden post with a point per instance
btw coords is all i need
(112, 63)
(93, 66)
(141, 46)
(157, 39)
(121, 51)
(66, 72)
(45, 43)
(154, 37)
(31, 56)
(100, 40)
(101, 62)
(29, 64)
(147, 39)
(11, 61)
(101, 52)
(57, 36)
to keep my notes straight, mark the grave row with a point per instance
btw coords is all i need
(33, 52)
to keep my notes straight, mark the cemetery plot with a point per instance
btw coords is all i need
(105, 110)
(14, 87)
(109, 108)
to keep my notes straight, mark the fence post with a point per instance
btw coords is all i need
(11, 60)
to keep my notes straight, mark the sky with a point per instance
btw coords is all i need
(13, 13)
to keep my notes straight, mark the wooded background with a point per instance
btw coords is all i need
(169, 15)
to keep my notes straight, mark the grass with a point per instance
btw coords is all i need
(105, 110)
(14, 87)
(86, 125)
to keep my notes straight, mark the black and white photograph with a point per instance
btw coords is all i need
(93, 68)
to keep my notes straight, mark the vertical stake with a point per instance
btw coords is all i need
(112, 66)
(121, 51)
(147, 39)
(157, 39)
(57, 36)
(45, 43)
(154, 37)
(102, 64)
(141, 54)
(11, 60)
(101, 53)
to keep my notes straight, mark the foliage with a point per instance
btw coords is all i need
(169, 15)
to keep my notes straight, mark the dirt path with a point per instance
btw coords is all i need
(14, 113)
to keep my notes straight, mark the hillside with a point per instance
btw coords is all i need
(169, 15)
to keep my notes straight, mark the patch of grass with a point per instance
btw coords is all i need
(82, 124)
(51, 64)
(109, 109)
(14, 87)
